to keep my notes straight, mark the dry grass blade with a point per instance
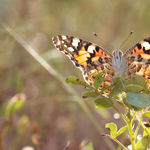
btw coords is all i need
(57, 75)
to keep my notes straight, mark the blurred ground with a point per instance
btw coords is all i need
(50, 110)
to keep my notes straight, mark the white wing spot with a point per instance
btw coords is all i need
(92, 71)
(70, 49)
(91, 48)
(65, 45)
(62, 42)
(58, 43)
(64, 37)
(146, 45)
(75, 42)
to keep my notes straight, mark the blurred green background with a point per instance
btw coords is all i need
(50, 111)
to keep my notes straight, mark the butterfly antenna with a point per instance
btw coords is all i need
(126, 39)
(102, 39)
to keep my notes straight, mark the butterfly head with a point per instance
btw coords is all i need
(117, 58)
(117, 53)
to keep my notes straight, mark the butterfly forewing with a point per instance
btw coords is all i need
(88, 57)
(138, 59)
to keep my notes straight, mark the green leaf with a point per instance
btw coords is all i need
(106, 88)
(147, 114)
(75, 80)
(138, 99)
(23, 124)
(103, 103)
(89, 146)
(139, 80)
(143, 143)
(118, 97)
(123, 129)
(14, 104)
(119, 86)
(116, 90)
(146, 131)
(104, 113)
(133, 88)
(135, 108)
(99, 78)
(90, 94)
(112, 128)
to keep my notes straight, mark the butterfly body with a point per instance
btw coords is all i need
(119, 63)
(92, 59)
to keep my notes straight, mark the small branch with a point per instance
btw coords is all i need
(114, 139)
(140, 122)
(123, 117)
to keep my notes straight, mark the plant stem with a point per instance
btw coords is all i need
(129, 124)
(123, 117)
(131, 134)
(114, 139)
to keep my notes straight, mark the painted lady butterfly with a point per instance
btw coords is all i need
(92, 59)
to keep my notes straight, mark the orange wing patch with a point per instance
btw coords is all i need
(90, 55)
(82, 56)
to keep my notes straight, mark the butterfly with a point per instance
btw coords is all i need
(92, 59)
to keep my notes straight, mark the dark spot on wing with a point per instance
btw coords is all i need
(146, 51)
(148, 77)
(139, 67)
(86, 78)
(89, 60)
(100, 60)
(97, 48)
(148, 61)
(87, 45)
(76, 64)
(106, 59)
(139, 58)
(102, 67)
(147, 40)
(92, 54)
(139, 46)
(79, 46)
